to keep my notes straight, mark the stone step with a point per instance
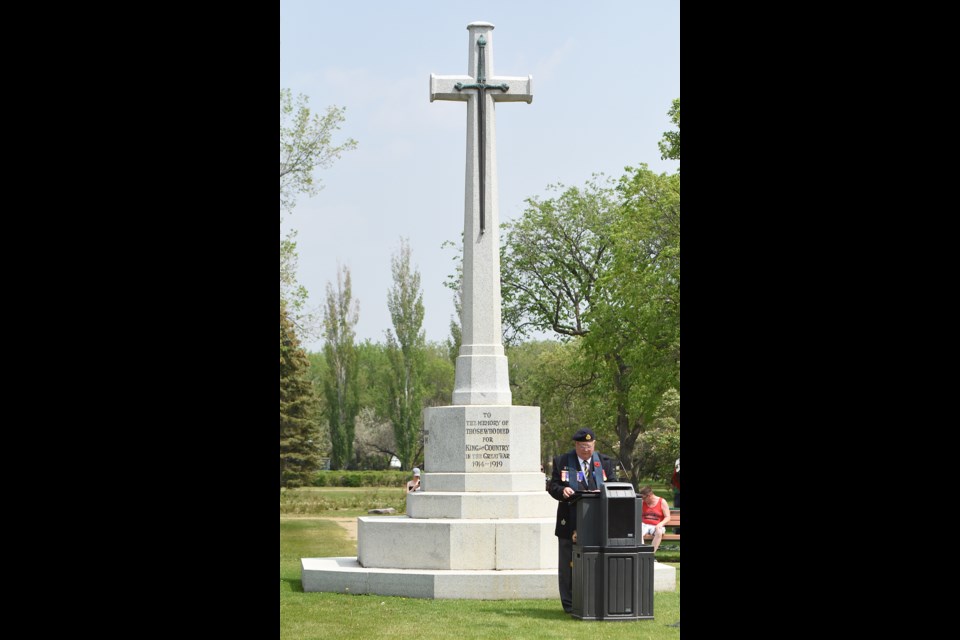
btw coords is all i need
(486, 504)
(345, 575)
(401, 542)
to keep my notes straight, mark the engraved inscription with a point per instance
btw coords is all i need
(487, 442)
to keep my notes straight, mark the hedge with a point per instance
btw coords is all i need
(361, 478)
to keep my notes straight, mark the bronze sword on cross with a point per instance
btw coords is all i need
(481, 372)
(488, 88)
(481, 86)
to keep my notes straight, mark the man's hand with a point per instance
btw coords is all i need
(567, 492)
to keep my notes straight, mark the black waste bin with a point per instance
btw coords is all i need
(612, 573)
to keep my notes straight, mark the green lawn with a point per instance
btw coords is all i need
(332, 615)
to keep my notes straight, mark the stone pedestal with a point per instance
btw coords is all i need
(483, 505)
(482, 518)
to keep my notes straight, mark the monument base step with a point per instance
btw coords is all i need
(445, 544)
(345, 575)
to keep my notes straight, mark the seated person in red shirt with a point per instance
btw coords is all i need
(656, 513)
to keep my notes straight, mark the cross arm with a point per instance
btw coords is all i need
(521, 89)
(443, 87)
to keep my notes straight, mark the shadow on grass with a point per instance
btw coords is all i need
(546, 614)
(295, 584)
(535, 610)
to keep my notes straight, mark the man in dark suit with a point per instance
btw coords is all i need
(581, 469)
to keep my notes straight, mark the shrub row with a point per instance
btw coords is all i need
(361, 478)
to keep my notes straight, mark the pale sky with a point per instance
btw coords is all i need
(604, 72)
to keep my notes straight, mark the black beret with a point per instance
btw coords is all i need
(584, 435)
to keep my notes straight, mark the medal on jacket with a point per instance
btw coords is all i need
(563, 475)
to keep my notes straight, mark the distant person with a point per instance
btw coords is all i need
(581, 469)
(414, 485)
(675, 481)
(656, 513)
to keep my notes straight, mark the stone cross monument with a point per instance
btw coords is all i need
(481, 377)
(482, 527)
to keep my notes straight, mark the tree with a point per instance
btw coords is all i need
(659, 447)
(547, 374)
(670, 145)
(306, 143)
(299, 457)
(553, 255)
(340, 382)
(600, 267)
(375, 439)
(438, 375)
(292, 293)
(454, 282)
(635, 329)
(406, 351)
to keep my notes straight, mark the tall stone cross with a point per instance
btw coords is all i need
(481, 370)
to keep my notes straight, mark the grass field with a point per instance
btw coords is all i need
(341, 501)
(306, 616)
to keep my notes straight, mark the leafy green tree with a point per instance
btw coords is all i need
(373, 438)
(659, 447)
(292, 293)
(670, 145)
(317, 373)
(553, 255)
(636, 329)
(306, 143)
(340, 382)
(438, 376)
(299, 456)
(547, 374)
(600, 266)
(373, 368)
(374, 433)
(454, 282)
(406, 346)
(373, 442)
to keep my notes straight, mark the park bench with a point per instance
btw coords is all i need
(674, 521)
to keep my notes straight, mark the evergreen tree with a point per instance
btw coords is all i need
(298, 426)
